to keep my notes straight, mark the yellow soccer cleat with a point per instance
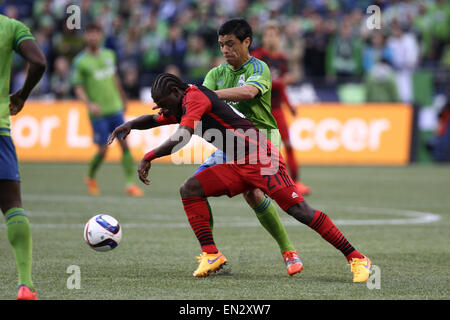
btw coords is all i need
(92, 186)
(209, 263)
(360, 269)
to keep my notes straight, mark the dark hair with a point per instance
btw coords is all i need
(164, 83)
(92, 26)
(237, 26)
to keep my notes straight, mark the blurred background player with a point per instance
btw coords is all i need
(244, 82)
(96, 84)
(278, 64)
(16, 37)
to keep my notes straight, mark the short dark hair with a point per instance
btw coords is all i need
(164, 83)
(237, 26)
(93, 26)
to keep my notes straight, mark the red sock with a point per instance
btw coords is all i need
(323, 225)
(197, 212)
(292, 164)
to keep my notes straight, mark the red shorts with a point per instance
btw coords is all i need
(279, 116)
(233, 179)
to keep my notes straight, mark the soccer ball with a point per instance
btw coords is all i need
(102, 232)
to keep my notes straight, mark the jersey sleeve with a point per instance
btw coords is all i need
(210, 80)
(260, 77)
(163, 120)
(21, 33)
(196, 104)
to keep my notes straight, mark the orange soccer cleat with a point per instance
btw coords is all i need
(26, 293)
(92, 186)
(134, 191)
(293, 263)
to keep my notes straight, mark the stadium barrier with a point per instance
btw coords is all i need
(367, 134)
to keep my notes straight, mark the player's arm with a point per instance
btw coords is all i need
(30, 51)
(178, 140)
(237, 94)
(140, 123)
(245, 92)
(81, 94)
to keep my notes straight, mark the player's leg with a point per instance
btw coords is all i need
(217, 157)
(290, 156)
(197, 211)
(100, 131)
(18, 229)
(293, 203)
(127, 159)
(268, 216)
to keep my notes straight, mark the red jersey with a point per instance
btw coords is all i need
(278, 65)
(219, 124)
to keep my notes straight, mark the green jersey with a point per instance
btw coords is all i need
(256, 73)
(12, 33)
(96, 73)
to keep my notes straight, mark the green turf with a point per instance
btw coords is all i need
(155, 259)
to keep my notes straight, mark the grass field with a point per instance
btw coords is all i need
(399, 216)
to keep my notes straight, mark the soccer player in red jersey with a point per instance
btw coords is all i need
(253, 162)
(270, 53)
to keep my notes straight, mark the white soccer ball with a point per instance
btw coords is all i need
(102, 232)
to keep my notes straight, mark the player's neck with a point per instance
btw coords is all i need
(93, 50)
(272, 50)
(241, 62)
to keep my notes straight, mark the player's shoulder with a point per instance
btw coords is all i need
(79, 58)
(108, 52)
(257, 66)
(7, 22)
(11, 25)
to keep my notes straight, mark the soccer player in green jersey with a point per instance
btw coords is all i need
(98, 86)
(244, 82)
(15, 36)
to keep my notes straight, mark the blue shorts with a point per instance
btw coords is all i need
(217, 157)
(103, 126)
(9, 169)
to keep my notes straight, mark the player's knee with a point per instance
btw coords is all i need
(301, 212)
(102, 151)
(254, 197)
(191, 188)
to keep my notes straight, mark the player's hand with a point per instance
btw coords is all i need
(143, 169)
(121, 132)
(16, 103)
(94, 109)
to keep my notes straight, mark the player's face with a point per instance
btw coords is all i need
(271, 39)
(233, 49)
(93, 38)
(169, 104)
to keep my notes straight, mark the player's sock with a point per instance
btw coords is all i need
(323, 225)
(19, 236)
(128, 166)
(268, 216)
(95, 163)
(197, 211)
(211, 219)
(292, 164)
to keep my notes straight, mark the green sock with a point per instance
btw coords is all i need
(268, 217)
(128, 166)
(94, 165)
(19, 236)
